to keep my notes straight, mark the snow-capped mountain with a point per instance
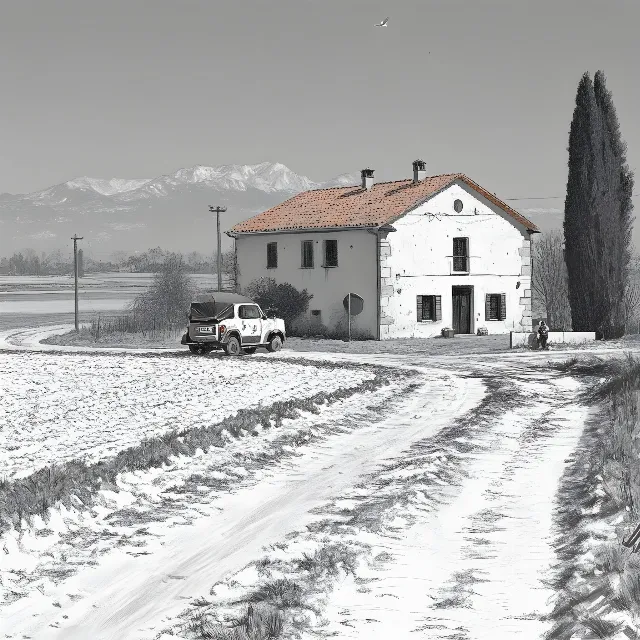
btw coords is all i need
(135, 214)
(106, 187)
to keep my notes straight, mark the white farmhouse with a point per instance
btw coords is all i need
(424, 254)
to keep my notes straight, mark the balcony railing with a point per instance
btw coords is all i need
(460, 264)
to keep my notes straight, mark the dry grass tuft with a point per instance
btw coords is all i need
(328, 560)
(259, 622)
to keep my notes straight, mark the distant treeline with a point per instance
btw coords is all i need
(28, 263)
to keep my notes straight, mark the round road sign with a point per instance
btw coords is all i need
(357, 303)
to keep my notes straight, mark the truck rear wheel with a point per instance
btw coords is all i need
(232, 348)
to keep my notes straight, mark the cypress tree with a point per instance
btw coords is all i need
(598, 213)
(616, 215)
(581, 202)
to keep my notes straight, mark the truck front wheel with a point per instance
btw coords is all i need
(275, 344)
(232, 348)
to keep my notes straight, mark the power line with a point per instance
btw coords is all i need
(633, 195)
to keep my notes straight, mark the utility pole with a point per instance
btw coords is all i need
(75, 273)
(218, 211)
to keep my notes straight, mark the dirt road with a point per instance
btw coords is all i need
(510, 478)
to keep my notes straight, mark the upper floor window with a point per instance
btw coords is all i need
(272, 255)
(330, 253)
(461, 255)
(307, 254)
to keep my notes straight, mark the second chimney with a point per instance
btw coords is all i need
(419, 171)
(367, 178)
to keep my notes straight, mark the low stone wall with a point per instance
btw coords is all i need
(558, 337)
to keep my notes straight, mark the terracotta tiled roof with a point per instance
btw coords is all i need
(343, 207)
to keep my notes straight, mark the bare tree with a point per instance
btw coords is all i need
(230, 268)
(632, 297)
(550, 280)
(167, 300)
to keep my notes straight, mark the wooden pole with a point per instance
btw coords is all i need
(218, 211)
(218, 256)
(75, 275)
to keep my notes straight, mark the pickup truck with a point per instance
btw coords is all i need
(232, 323)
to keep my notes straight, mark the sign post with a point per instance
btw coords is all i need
(353, 305)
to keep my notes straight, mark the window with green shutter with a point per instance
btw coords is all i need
(429, 308)
(461, 255)
(495, 306)
(272, 255)
(307, 254)
(330, 253)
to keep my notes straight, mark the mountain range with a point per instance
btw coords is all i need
(170, 211)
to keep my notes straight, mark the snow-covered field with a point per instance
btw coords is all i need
(55, 409)
(229, 501)
(441, 498)
(188, 488)
(455, 542)
(37, 296)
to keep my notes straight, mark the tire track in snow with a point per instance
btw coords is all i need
(474, 565)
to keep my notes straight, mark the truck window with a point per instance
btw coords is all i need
(226, 314)
(249, 312)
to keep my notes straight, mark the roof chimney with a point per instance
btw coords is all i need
(419, 171)
(367, 178)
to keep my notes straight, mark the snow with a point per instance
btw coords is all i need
(37, 307)
(476, 564)
(106, 187)
(452, 563)
(452, 558)
(60, 408)
(125, 592)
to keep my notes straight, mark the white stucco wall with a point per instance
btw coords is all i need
(356, 271)
(420, 263)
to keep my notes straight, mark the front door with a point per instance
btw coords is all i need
(251, 323)
(461, 309)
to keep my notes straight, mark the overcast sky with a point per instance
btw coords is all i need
(139, 88)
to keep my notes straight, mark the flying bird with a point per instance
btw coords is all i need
(383, 23)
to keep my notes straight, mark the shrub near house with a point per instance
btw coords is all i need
(283, 299)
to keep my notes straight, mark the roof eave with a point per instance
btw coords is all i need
(369, 227)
